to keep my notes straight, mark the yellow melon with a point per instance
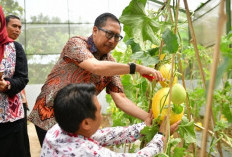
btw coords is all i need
(166, 72)
(161, 99)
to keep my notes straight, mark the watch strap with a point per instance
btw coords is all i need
(132, 68)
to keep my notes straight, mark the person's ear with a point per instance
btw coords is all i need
(95, 29)
(86, 124)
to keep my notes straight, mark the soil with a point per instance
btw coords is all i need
(34, 142)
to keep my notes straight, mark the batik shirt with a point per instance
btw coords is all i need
(67, 71)
(59, 143)
(11, 108)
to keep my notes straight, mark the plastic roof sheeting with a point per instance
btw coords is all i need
(205, 22)
(205, 17)
(192, 4)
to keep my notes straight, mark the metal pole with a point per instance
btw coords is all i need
(69, 32)
(25, 28)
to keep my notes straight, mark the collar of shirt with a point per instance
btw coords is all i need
(91, 44)
(79, 136)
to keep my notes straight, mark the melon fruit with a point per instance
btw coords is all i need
(178, 94)
(160, 103)
(166, 73)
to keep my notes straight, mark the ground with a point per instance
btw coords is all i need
(34, 142)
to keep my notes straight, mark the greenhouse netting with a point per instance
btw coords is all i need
(158, 34)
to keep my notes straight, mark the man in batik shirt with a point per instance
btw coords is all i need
(87, 60)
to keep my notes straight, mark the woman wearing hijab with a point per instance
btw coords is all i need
(13, 78)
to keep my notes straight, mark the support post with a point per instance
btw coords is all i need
(221, 20)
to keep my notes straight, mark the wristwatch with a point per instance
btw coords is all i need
(132, 68)
(8, 86)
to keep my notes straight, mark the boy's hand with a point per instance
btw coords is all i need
(173, 127)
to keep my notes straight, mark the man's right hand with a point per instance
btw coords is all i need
(143, 70)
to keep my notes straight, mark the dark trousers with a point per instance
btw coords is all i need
(12, 142)
(26, 138)
(41, 134)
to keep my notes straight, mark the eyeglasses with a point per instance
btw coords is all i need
(110, 34)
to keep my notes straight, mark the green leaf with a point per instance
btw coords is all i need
(225, 45)
(150, 131)
(134, 46)
(137, 24)
(145, 58)
(119, 119)
(133, 148)
(128, 85)
(153, 51)
(142, 85)
(177, 109)
(170, 39)
(227, 111)
(172, 143)
(108, 98)
(138, 55)
(221, 125)
(148, 60)
(162, 155)
(186, 130)
(179, 152)
(128, 33)
(117, 55)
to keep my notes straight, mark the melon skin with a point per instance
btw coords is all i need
(178, 94)
(160, 99)
(166, 73)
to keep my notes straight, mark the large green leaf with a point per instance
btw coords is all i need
(170, 40)
(186, 130)
(138, 55)
(145, 58)
(135, 47)
(153, 51)
(137, 24)
(149, 60)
